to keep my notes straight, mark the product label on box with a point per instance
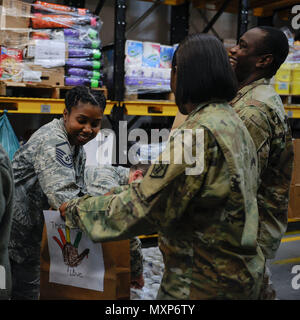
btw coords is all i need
(32, 76)
(50, 53)
(11, 67)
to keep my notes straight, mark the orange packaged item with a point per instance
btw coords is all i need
(11, 64)
(49, 21)
(40, 35)
(53, 7)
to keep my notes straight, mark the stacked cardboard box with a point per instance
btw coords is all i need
(14, 14)
(294, 202)
(49, 44)
(14, 36)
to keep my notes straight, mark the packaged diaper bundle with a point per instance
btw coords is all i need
(147, 67)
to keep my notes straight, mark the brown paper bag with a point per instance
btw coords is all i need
(116, 256)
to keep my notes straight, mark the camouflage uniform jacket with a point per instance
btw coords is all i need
(6, 201)
(207, 222)
(47, 172)
(261, 109)
(100, 180)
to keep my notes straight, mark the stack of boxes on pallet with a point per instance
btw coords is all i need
(49, 44)
(287, 78)
(147, 67)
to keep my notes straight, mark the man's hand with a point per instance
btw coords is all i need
(62, 210)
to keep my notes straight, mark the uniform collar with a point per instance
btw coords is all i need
(249, 87)
(199, 107)
(61, 125)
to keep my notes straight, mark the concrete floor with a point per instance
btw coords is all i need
(285, 268)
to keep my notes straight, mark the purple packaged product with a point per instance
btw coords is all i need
(83, 73)
(83, 52)
(83, 63)
(83, 43)
(71, 33)
(76, 81)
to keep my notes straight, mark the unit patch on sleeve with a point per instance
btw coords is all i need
(159, 170)
(63, 155)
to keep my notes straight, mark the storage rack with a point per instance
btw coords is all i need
(118, 107)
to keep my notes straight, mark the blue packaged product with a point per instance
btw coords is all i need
(133, 52)
(166, 55)
(151, 55)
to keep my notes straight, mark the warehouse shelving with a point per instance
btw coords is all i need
(138, 108)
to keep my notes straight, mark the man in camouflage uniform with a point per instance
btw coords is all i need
(255, 59)
(207, 223)
(100, 180)
(47, 171)
(6, 213)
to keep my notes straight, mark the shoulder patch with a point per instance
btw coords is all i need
(63, 155)
(159, 170)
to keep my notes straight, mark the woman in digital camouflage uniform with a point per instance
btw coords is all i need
(49, 170)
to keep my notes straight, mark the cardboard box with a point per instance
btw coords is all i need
(296, 167)
(18, 38)
(295, 85)
(294, 202)
(14, 14)
(283, 79)
(45, 76)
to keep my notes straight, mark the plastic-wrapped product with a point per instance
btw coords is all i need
(8, 139)
(53, 7)
(151, 55)
(84, 52)
(77, 81)
(166, 55)
(83, 63)
(11, 64)
(46, 21)
(78, 72)
(133, 53)
(82, 33)
(93, 44)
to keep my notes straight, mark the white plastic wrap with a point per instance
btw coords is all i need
(147, 67)
(43, 36)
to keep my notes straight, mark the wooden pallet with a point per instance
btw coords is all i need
(168, 96)
(36, 90)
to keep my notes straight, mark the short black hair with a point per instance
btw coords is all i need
(203, 71)
(85, 95)
(275, 43)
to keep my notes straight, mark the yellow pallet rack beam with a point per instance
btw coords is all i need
(38, 105)
(150, 108)
(136, 108)
(293, 111)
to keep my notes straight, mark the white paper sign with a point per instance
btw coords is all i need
(50, 53)
(74, 259)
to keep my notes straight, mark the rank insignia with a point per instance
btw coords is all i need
(63, 155)
(159, 170)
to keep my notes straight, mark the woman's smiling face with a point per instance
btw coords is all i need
(82, 123)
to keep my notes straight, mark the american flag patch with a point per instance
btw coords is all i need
(63, 155)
